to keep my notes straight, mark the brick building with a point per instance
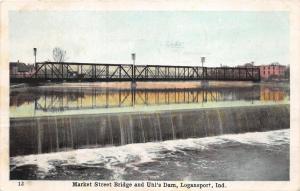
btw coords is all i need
(272, 71)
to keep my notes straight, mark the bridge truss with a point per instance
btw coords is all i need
(93, 72)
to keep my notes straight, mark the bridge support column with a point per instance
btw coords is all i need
(133, 85)
(204, 83)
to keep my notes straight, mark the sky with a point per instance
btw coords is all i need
(157, 37)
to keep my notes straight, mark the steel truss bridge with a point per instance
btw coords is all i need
(100, 72)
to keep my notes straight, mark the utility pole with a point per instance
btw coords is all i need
(204, 82)
(35, 66)
(133, 66)
(202, 60)
(133, 83)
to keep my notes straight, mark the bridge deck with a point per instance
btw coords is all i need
(93, 72)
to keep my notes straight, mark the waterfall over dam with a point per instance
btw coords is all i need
(59, 133)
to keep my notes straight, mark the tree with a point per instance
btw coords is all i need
(59, 55)
(287, 72)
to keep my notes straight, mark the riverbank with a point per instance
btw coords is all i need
(146, 85)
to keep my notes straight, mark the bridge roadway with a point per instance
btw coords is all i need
(101, 72)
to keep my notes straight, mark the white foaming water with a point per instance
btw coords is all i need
(115, 158)
(277, 137)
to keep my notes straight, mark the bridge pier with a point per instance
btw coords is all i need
(133, 85)
(204, 83)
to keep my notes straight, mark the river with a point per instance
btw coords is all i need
(159, 132)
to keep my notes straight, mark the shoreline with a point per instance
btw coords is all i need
(178, 84)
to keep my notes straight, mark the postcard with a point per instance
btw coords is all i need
(149, 95)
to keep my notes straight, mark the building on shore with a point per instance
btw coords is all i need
(273, 71)
(247, 65)
(20, 69)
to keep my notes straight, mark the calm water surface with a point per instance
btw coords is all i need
(68, 100)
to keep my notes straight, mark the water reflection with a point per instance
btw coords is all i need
(53, 99)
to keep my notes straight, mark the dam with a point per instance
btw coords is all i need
(61, 133)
